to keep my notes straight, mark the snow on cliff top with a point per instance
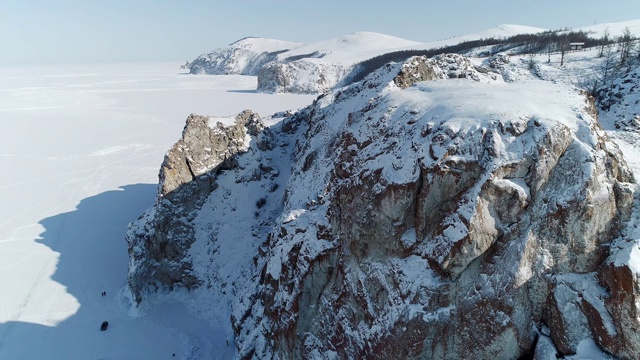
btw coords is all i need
(260, 45)
(363, 45)
(500, 31)
(359, 46)
(348, 47)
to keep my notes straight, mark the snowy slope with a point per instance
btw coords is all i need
(579, 70)
(319, 66)
(614, 29)
(501, 31)
(243, 57)
(350, 48)
(259, 45)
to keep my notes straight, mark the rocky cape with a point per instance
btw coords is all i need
(436, 209)
(281, 66)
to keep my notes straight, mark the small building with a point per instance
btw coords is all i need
(576, 45)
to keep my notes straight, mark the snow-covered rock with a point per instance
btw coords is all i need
(243, 57)
(317, 67)
(160, 238)
(460, 217)
(300, 77)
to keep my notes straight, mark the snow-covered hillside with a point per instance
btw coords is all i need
(440, 208)
(319, 66)
(613, 29)
(349, 48)
(243, 57)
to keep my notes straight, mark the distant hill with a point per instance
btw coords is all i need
(314, 68)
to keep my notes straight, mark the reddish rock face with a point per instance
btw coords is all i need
(622, 283)
(494, 238)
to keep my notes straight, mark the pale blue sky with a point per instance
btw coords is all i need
(67, 31)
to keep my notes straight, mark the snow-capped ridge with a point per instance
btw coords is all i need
(347, 48)
(320, 66)
(501, 31)
(613, 29)
(243, 57)
(260, 44)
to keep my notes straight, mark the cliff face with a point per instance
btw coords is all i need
(243, 57)
(282, 66)
(160, 239)
(309, 77)
(300, 77)
(464, 217)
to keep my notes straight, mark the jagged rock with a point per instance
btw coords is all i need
(487, 211)
(160, 239)
(445, 66)
(300, 77)
(545, 350)
(243, 57)
(417, 69)
(445, 219)
(498, 61)
(620, 275)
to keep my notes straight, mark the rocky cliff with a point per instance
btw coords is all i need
(159, 241)
(462, 217)
(281, 66)
(300, 77)
(243, 57)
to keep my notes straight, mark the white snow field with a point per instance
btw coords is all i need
(80, 149)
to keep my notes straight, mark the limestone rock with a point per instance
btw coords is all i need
(300, 77)
(160, 239)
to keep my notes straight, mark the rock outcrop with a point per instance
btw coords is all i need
(285, 67)
(464, 217)
(159, 240)
(300, 77)
(243, 57)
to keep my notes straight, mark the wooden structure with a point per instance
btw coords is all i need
(576, 46)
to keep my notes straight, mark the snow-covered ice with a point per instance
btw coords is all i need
(80, 148)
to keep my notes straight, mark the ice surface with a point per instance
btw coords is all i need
(80, 148)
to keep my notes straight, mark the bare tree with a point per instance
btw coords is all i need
(600, 83)
(625, 43)
(531, 61)
(563, 46)
(605, 41)
(606, 73)
(550, 48)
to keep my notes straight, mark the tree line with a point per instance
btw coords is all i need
(549, 42)
(617, 58)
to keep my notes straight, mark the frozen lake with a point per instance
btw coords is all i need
(80, 150)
